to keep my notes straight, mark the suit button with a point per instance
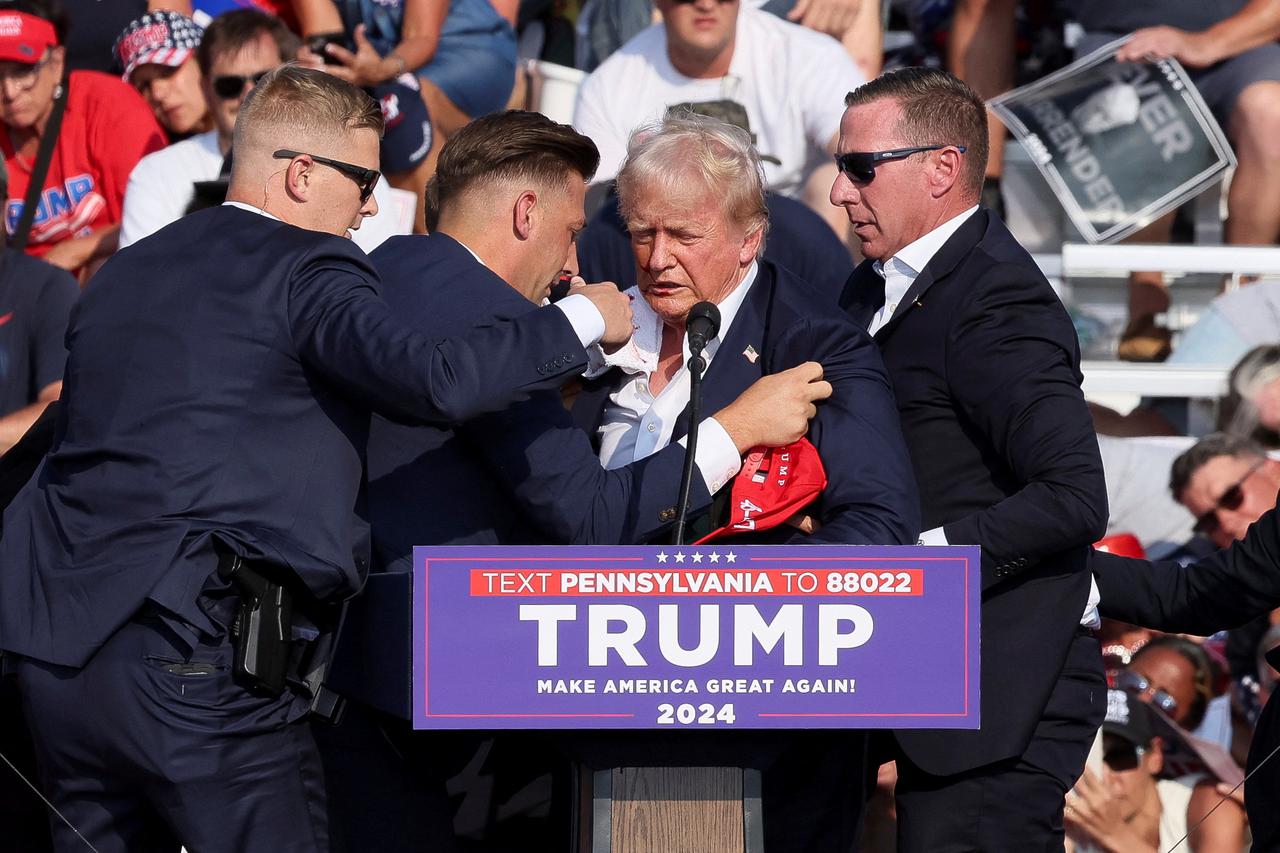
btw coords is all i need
(667, 514)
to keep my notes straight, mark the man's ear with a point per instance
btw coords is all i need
(523, 213)
(297, 179)
(945, 174)
(1155, 756)
(751, 246)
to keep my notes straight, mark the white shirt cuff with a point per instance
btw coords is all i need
(933, 537)
(586, 319)
(717, 456)
(1091, 618)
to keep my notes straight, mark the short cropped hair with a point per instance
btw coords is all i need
(666, 154)
(307, 102)
(231, 31)
(937, 109)
(511, 145)
(1210, 447)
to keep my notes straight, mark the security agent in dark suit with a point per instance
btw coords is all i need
(1222, 591)
(504, 206)
(692, 194)
(215, 412)
(985, 369)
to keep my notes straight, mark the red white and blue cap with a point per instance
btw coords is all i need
(157, 38)
(24, 38)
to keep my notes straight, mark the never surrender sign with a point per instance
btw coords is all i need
(1121, 143)
(704, 636)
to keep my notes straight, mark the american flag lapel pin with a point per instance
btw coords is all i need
(751, 354)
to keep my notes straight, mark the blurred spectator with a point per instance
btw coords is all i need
(1230, 52)
(789, 79)
(1226, 482)
(1124, 806)
(157, 55)
(105, 129)
(981, 51)
(35, 303)
(1254, 394)
(1175, 675)
(462, 55)
(96, 24)
(857, 24)
(237, 49)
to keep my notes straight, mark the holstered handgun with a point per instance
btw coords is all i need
(263, 629)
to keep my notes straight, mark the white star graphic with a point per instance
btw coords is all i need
(662, 556)
(697, 557)
(679, 557)
(714, 556)
(730, 557)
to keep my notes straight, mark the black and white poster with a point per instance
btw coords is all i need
(1121, 143)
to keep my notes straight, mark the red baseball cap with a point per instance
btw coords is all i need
(774, 483)
(1122, 545)
(24, 38)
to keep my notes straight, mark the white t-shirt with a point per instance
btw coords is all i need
(791, 80)
(161, 187)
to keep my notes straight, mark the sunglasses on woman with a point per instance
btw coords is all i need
(1132, 682)
(861, 165)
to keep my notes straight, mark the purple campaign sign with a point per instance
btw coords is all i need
(697, 636)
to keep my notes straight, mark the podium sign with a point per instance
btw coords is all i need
(695, 637)
(1121, 143)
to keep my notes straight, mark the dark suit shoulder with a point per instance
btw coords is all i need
(434, 280)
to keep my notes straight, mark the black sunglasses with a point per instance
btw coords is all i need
(1123, 756)
(365, 178)
(228, 86)
(861, 165)
(1128, 680)
(1207, 523)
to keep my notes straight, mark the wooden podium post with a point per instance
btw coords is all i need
(673, 810)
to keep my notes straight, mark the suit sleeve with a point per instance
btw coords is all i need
(1011, 364)
(871, 497)
(344, 330)
(1222, 591)
(549, 466)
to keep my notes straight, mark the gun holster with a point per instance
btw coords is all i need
(267, 658)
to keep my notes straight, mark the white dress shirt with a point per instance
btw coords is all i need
(636, 422)
(899, 273)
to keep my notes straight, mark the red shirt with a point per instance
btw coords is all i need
(106, 129)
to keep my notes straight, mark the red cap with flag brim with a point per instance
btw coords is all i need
(773, 485)
(24, 38)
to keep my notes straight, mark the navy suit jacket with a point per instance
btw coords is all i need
(1224, 590)
(218, 388)
(523, 475)
(986, 370)
(870, 498)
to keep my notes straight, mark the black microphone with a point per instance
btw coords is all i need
(702, 325)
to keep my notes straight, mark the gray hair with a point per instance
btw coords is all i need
(667, 153)
(1208, 448)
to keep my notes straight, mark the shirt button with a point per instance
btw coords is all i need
(651, 427)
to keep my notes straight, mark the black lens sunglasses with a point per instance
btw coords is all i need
(365, 178)
(1231, 500)
(861, 165)
(228, 86)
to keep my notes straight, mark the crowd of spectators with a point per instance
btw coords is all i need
(119, 117)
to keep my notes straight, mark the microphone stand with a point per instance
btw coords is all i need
(696, 368)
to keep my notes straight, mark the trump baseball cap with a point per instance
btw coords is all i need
(1128, 717)
(24, 38)
(157, 38)
(774, 484)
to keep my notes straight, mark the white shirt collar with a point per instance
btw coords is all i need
(640, 354)
(915, 256)
(249, 207)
